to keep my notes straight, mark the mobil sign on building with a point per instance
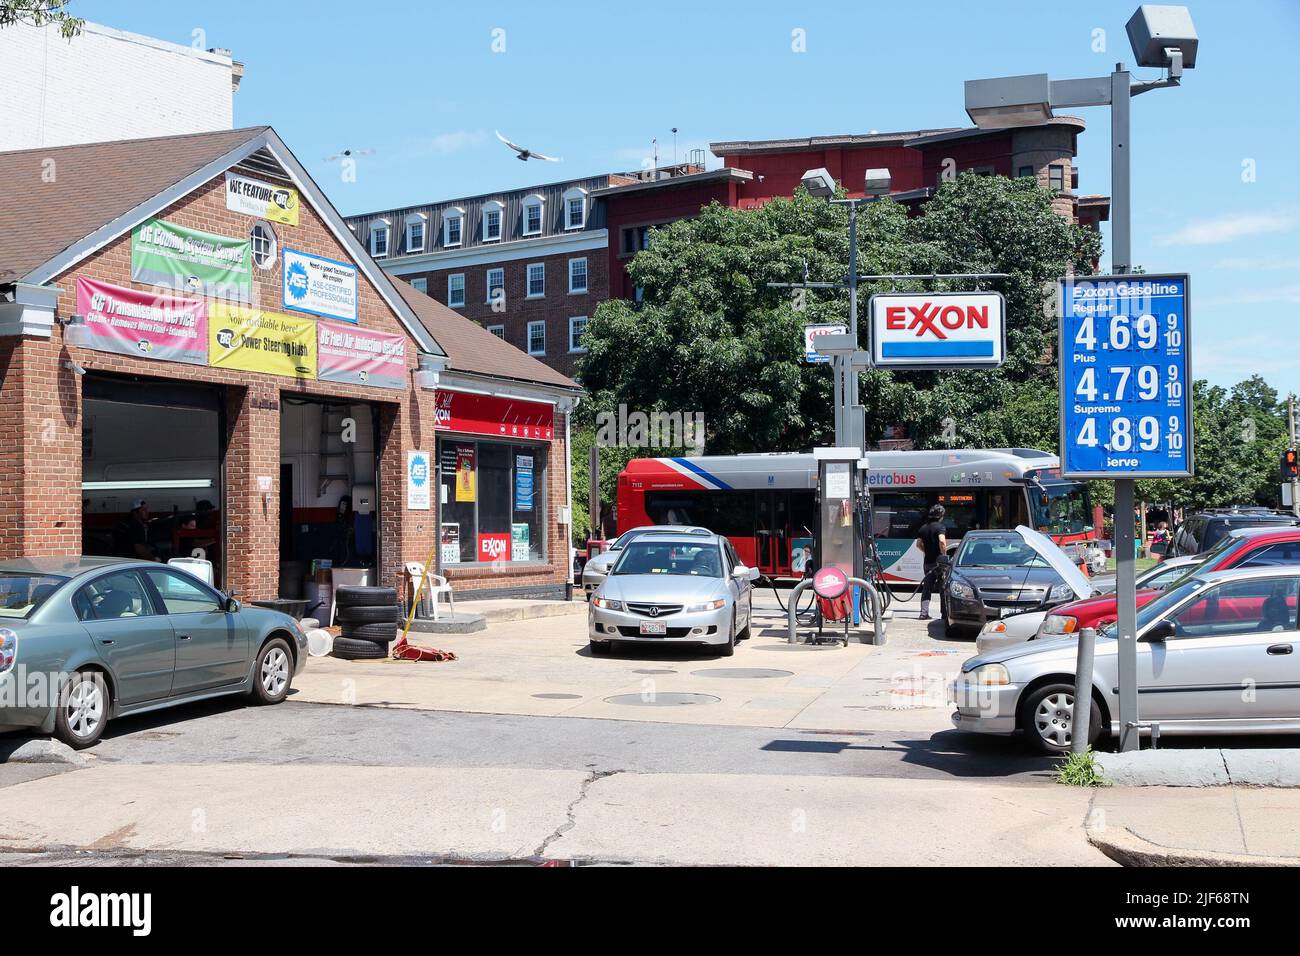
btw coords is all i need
(938, 330)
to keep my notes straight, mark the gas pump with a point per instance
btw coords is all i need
(842, 530)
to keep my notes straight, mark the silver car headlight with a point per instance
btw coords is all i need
(1060, 592)
(707, 606)
(1056, 624)
(960, 589)
(606, 604)
(989, 675)
(994, 627)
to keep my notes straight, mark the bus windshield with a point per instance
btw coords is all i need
(1061, 508)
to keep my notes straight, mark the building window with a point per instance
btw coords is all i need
(636, 238)
(1025, 171)
(498, 330)
(575, 208)
(452, 220)
(536, 280)
(379, 240)
(491, 221)
(420, 284)
(503, 517)
(578, 275)
(456, 290)
(577, 326)
(537, 337)
(264, 244)
(496, 284)
(533, 216)
(415, 234)
(1056, 178)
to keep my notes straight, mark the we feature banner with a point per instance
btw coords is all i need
(253, 197)
(346, 353)
(257, 341)
(144, 324)
(201, 263)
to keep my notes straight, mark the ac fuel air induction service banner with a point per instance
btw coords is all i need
(255, 341)
(347, 353)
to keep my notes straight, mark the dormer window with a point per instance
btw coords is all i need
(533, 207)
(575, 208)
(379, 233)
(415, 229)
(453, 221)
(493, 213)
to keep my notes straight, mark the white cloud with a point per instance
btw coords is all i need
(1227, 228)
(1258, 263)
(444, 144)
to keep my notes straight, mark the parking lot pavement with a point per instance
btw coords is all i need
(543, 667)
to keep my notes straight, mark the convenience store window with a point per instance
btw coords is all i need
(492, 500)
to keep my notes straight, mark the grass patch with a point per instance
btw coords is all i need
(1081, 770)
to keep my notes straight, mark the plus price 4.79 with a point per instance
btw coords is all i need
(1125, 377)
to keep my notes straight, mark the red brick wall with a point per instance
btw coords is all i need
(555, 308)
(40, 406)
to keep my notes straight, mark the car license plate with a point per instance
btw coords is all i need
(654, 627)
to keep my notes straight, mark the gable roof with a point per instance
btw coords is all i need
(99, 191)
(473, 349)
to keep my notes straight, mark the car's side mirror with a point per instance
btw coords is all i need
(742, 573)
(1161, 632)
(232, 604)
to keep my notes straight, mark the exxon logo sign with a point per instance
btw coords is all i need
(938, 330)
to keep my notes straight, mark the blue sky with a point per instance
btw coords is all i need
(1215, 188)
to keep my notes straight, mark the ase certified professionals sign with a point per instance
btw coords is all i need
(938, 330)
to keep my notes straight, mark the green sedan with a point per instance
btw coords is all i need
(84, 640)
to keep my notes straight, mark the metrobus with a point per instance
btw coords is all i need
(766, 503)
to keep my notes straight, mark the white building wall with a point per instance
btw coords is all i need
(105, 85)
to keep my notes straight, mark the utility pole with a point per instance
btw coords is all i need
(1291, 437)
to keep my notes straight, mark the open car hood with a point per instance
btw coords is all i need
(1054, 556)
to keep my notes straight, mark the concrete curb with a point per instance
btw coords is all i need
(1128, 849)
(40, 750)
(527, 612)
(1201, 768)
(450, 624)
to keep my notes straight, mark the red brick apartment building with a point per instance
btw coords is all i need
(532, 264)
(186, 320)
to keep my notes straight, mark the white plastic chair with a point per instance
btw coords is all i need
(434, 585)
(196, 566)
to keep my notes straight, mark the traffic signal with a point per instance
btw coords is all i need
(1290, 465)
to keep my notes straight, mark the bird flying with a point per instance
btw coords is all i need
(525, 154)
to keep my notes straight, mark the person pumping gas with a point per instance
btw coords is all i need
(933, 543)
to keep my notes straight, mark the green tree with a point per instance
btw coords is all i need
(40, 12)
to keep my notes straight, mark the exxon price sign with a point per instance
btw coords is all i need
(1125, 377)
(938, 330)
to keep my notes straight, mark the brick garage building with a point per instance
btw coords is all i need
(93, 426)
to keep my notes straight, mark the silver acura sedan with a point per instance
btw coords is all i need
(1218, 653)
(597, 567)
(674, 588)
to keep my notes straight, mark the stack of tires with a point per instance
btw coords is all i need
(368, 618)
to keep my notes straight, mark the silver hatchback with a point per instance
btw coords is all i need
(671, 589)
(1218, 653)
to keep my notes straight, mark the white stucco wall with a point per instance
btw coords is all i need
(106, 85)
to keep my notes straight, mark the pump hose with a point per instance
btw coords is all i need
(809, 613)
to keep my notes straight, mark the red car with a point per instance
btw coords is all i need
(1242, 548)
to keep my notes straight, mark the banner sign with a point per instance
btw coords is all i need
(255, 341)
(493, 547)
(319, 286)
(253, 197)
(419, 478)
(144, 324)
(523, 482)
(810, 334)
(346, 353)
(1126, 378)
(938, 330)
(466, 480)
(202, 263)
(492, 415)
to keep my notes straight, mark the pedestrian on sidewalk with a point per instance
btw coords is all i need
(933, 543)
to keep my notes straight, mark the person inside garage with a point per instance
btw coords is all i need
(133, 534)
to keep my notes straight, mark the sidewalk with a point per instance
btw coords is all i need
(1203, 826)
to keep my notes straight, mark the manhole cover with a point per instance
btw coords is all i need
(744, 673)
(662, 700)
(654, 670)
(801, 647)
(558, 696)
